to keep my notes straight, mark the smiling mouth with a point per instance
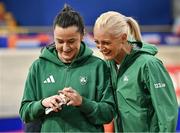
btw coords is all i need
(67, 52)
(106, 52)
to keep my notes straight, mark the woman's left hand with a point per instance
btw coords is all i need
(75, 99)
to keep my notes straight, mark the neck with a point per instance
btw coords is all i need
(120, 57)
(124, 51)
(63, 60)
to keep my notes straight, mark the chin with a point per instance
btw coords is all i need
(108, 58)
(66, 60)
(67, 57)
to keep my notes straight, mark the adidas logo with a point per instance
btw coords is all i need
(50, 79)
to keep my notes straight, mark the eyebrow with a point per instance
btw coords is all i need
(73, 38)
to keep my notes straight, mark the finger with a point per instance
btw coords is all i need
(56, 109)
(58, 98)
(60, 108)
(72, 96)
(60, 92)
(68, 96)
(67, 93)
(70, 103)
(55, 103)
(51, 105)
(69, 89)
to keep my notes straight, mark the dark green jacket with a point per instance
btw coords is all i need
(87, 74)
(144, 92)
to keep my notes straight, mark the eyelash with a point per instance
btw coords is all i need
(69, 42)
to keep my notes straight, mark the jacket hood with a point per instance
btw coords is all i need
(149, 49)
(49, 53)
(140, 47)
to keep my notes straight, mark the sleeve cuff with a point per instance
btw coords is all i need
(38, 107)
(87, 106)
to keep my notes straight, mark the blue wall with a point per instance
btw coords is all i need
(42, 12)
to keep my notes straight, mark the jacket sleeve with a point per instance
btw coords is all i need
(100, 110)
(30, 108)
(162, 94)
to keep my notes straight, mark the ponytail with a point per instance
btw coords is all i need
(134, 29)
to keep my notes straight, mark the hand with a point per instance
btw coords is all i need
(52, 102)
(74, 97)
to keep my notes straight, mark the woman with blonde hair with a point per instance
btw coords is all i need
(144, 92)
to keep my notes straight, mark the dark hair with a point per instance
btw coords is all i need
(68, 17)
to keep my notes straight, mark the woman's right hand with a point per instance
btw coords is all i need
(52, 102)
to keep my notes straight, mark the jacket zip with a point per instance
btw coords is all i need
(66, 77)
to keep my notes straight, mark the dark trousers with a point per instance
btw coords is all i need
(34, 126)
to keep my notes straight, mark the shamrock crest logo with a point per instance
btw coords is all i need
(83, 80)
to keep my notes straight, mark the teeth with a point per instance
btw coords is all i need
(105, 52)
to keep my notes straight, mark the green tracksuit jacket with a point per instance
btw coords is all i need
(87, 74)
(144, 93)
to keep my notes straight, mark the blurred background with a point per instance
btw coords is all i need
(26, 26)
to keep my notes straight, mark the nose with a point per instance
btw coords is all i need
(66, 47)
(100, 47)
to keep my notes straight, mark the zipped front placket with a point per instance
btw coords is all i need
(66, 76)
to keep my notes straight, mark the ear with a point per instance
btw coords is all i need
(124, 37)
(81, 37)
(126, 47)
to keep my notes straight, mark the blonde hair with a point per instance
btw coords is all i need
(116, 24)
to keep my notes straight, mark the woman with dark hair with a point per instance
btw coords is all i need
(68, 88)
